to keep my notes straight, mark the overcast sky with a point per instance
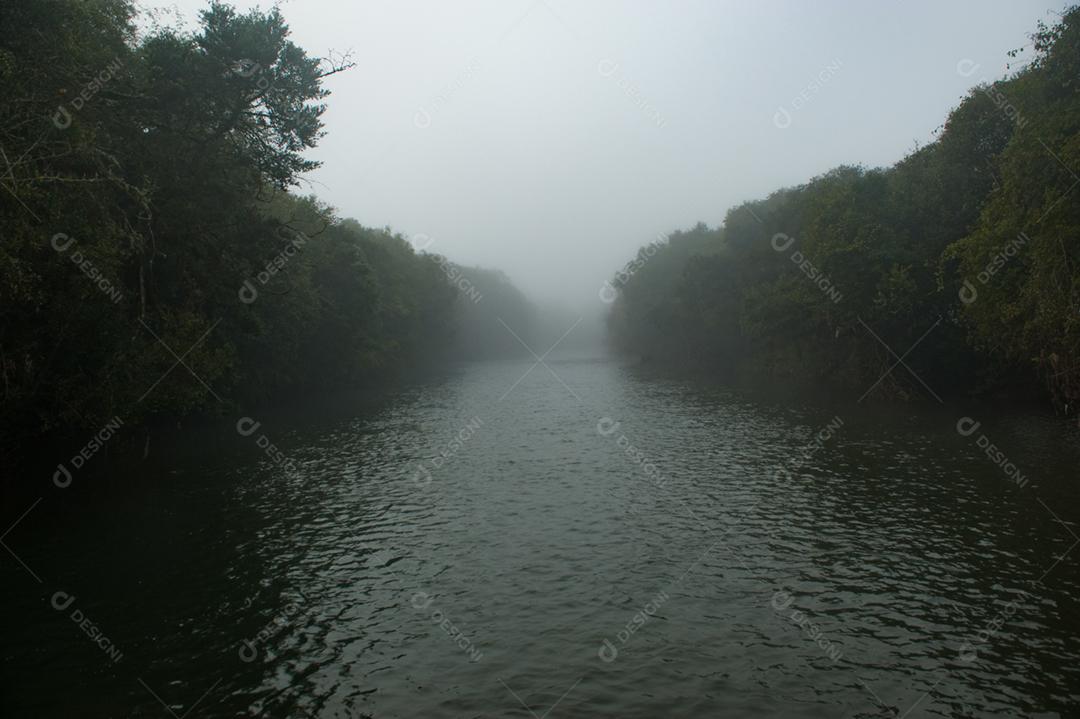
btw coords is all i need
(551, 138)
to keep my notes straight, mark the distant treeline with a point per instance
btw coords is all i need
(963, 259)
(153, 264)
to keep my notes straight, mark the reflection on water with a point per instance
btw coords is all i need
(579, 540)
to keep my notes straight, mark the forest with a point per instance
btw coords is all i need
(958, 267)
(157, 260)
(495, 383)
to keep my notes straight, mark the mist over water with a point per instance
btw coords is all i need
(539, 359)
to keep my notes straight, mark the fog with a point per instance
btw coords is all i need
(509, 358)
(551, 139)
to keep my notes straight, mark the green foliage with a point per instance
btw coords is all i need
(898, 244)
(163, 163)
(1025, 242)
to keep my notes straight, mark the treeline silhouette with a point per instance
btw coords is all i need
(154, 264)
(963, 259)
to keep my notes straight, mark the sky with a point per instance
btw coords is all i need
(552, 138)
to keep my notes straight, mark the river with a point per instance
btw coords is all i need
(576, 538)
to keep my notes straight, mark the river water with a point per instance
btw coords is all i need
(578, 540)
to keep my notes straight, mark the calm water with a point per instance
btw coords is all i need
(471, 547)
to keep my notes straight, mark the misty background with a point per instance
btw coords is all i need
(550, 139)
(279, 285)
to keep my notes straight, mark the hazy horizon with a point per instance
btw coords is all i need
(413, 332)
(568, 141)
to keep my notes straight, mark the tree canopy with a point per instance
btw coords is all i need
(154, 263)
(966, 252)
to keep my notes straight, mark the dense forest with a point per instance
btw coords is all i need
(155, 260)
(962, 260)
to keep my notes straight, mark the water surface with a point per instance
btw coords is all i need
(574, 540)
